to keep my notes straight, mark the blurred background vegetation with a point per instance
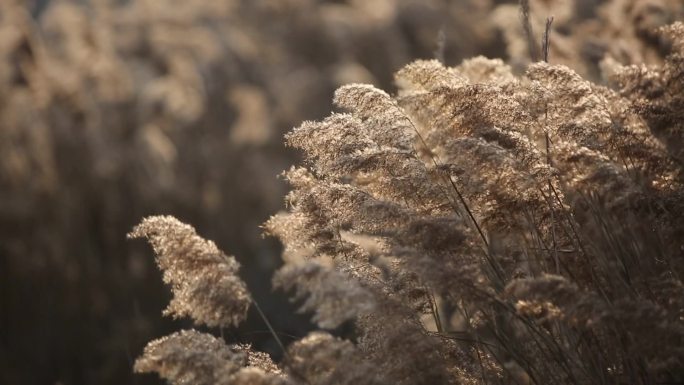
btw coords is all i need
(111, 110)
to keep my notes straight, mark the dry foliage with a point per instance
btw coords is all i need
(478, 227)
(585, 31)
(204, 280)
(114, 110)
(485, 224)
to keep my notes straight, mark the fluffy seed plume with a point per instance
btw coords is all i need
(322, 359)
(190, 357)
(334, 297)
(203, 279)
(386, 123)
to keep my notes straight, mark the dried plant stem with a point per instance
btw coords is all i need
(269, 326)
(435, 310)
(527, 29)
(545, 38)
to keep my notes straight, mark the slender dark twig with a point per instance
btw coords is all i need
(545, 38)
(268, 325)
(527, 29)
